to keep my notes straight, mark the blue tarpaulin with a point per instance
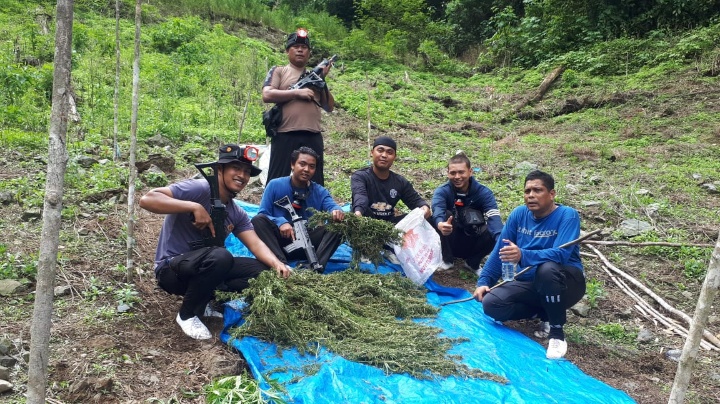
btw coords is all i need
(492, 347)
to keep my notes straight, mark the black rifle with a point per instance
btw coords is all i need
(217, 210)
(302, 238)
(314, 78)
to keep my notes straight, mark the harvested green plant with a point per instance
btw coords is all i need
(366, 318)
(366, 236)
(242, 389)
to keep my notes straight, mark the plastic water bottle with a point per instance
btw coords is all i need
(508, 268)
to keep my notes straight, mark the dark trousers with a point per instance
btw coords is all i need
(283, 144)
(196, 275)
(471, 248)
(325, 242)
(555, 289)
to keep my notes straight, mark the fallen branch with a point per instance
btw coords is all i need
(647, 243)
(708, 335)
(544, 87)
(650, 312)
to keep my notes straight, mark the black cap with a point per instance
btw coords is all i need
(298, 37)
(385, 141)
(231, 153)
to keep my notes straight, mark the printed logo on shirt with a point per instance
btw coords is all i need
(382, 209)
(538, 234)
(393, 193)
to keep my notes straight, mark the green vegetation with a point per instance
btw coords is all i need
(242, 389)
(365, 318)
(17, 266)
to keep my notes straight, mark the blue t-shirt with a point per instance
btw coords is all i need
(178, 230)
(538, 239)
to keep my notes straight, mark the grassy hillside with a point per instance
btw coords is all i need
(640, 143)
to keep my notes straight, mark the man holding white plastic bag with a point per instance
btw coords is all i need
(376, 190)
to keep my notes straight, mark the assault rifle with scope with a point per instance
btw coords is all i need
(314, 78)
(302, 237)
(217, 210)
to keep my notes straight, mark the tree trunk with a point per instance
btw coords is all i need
(702, 311)
(116, 95)
(52, 208)
(133, 145)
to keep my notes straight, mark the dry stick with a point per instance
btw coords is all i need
(569, 243)
(707, 334)
(647, 243)
(646, 309)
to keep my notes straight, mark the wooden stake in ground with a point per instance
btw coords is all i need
(52, 207)
(697, 327)
(130, 262)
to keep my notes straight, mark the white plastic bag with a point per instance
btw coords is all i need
(420, 254)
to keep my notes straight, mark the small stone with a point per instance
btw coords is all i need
(673, 354)
(62, 290)
(652, 209)
(645, 335)
(31, 214)
(6, 198)
(4, 373)
(9, 287)
(104, 384)
(86, 161)
(572, 189)
(687, 294)
(5, 386)
(634, 227)
(7, 361)
(78, 386)
(591, 203)
(123, 308)
(5, 346)
(696, 176)
(642, 191)
(710, 188)
(595, 179)
(580, 309)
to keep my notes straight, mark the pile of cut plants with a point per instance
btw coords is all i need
(365, 318)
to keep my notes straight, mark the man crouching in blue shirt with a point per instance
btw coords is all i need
(555, 281)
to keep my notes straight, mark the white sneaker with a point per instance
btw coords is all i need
(211, 312)
(543, 330)
(193, 327)
(445, 266)
(557, 348)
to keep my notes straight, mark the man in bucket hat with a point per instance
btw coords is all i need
(301, 108)
(188, 268)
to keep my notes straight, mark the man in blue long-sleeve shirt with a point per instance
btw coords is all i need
(555, 281)
(272, 223)
(466, 215)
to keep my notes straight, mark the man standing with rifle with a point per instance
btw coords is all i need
(299, 107)
(191, 260)
(284, 211)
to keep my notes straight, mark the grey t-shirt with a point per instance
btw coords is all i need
(178, 231)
